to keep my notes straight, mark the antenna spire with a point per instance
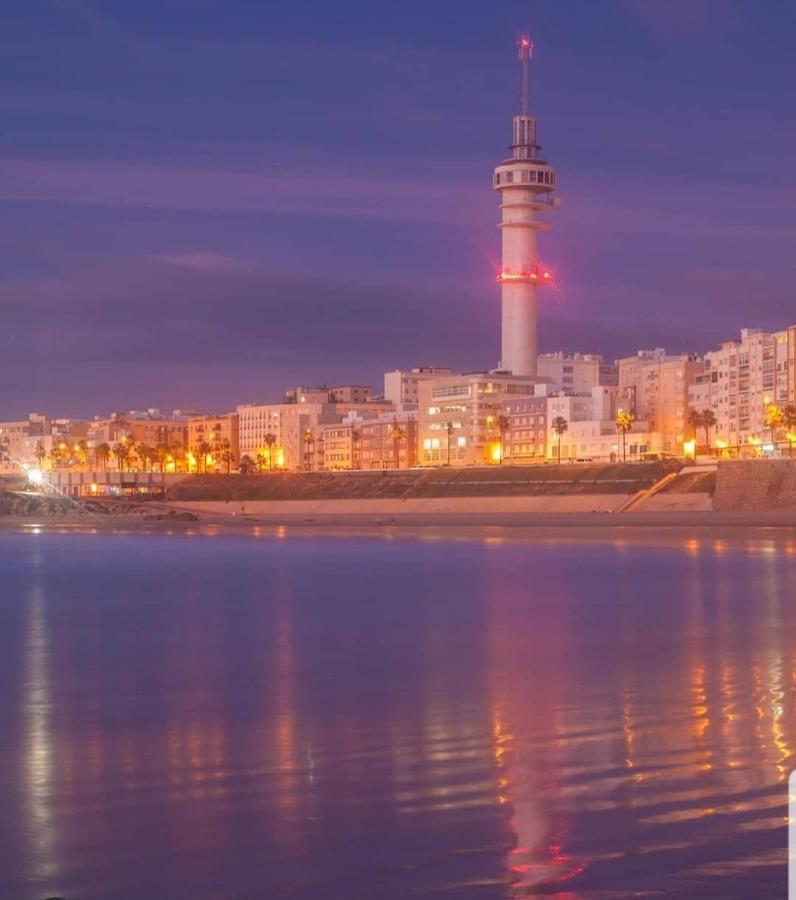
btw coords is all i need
(525, 47)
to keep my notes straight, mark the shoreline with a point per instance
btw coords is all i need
(551, 525)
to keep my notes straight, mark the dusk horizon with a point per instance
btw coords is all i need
(207, 207)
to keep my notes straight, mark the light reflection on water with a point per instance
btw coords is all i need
(242, 716)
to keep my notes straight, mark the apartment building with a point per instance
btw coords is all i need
(389, 442)
(222, 435)
(741, 379)
(458, 416)
(525, 438)
(654, 388)
(275, 432)
(575, 373)
(402, 386)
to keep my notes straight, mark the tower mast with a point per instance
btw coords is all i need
(525, 47)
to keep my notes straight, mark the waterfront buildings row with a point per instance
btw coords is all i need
(432, 416)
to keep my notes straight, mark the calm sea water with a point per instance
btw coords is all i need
(244, 716)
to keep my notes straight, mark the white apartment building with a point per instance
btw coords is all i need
(740, 380)
(575, 373)
(402, 386)
(458, 416)
(591, 433)
(653, 387)
(288, 423)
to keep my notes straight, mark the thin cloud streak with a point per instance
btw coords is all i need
(86, 14)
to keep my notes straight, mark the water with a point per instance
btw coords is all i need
(242, 716)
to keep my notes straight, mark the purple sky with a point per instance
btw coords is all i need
(207, 201)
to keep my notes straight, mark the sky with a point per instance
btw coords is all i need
(205, 202)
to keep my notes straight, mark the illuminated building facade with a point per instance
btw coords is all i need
(288, 424)
(402, 386)
(653, 387)
(457, 418)
(389, 442)
(575, 373)
(525, 438)
(525, 182)
(153, 430)
(214, 442)
(740, 380)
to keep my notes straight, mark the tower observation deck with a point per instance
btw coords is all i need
(525, 183)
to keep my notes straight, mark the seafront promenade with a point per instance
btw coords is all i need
(759, 493)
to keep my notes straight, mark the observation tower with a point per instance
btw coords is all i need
(525, 183)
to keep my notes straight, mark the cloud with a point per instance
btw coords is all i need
(86, 14)
(202, 261)
(672, 21)
(307, 190)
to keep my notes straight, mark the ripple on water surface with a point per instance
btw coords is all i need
(238, 717)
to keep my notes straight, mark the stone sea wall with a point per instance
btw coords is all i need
(755, 484)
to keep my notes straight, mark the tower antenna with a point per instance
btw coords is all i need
(525, 47)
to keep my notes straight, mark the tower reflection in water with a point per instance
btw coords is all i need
(640, 730)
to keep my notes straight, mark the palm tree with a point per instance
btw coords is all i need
(449, 429)
(708, 421)
(59, 455)
(624, 422)
(397, 434)
(102, 453)
(696, 421)
(40, 453)
(142, 451)
(789, 421)
(122, 453)
(356, 437)
(270, 440)
(80, 452)
(225, 445)
(774, 419)
(309, 443)
(161, 455)
(178, 453)
(560, 425)
(503, 424)
(247, 465)
(204, 450)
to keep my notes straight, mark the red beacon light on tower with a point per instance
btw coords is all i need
(536, 275)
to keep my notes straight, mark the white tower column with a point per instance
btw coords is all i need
(525, 182)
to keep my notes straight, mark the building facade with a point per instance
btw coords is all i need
(402, 386)
(213, 442)
(389, 442)
(458, 417)
(575, 373)
(525, 438)
(275, 434)
(654, 387)
(740, 380)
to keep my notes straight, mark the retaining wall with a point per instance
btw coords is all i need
(755, 484)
